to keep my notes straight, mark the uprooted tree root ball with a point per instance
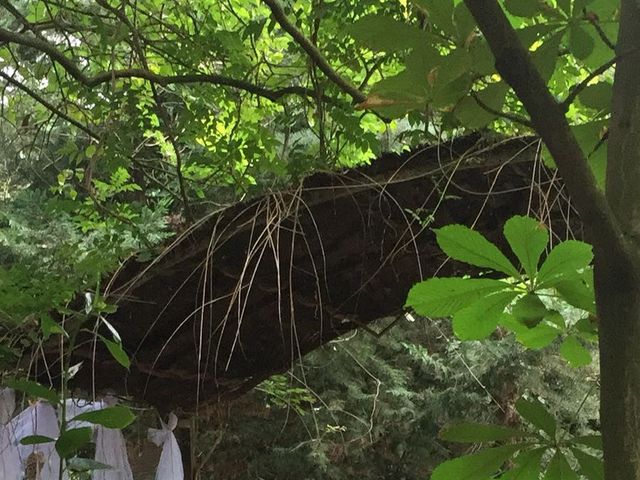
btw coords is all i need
(254, 287)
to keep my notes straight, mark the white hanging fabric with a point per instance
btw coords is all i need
(17, 460)
(75, 407)
(39, 419)
(170, 464)
(111, 449)
(7, 404)
(10, 465)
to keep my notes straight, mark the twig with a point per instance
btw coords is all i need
(593, 20)
(52, 108)
(105, 77)
(509, 116)
(575, 91)
(313, 52)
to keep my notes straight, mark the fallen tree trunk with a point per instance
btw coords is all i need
(254, 287)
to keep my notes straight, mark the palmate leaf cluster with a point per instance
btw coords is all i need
(528, 302)
(520, 304)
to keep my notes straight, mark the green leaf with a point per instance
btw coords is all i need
(580, 42)
(534, 338)
(590, 466)
(467, 432)
(591, 441)
(565, 5)
(117, 417)
(451, 67)
(536, 414)
(385, 34)
(34, 389)
(586, 328)
(604, 8)
(466, 245)
(35, 440)
(589, 135)
(577, 290)
(472, 115)
(396, 95)
(522, 8)
(574, 352)
(529, 310)
(439, 13)
(559, 468)
(78, 464)
(441, 297)
(555, 319)
(464, 23)
(565, 259)
(598, 163)
(546, 56)
(49, 327)
(477, 466)
(445, 95)
(73, 440)
(90, 151)
(597, 96)
(530, 34)
(117, 352)
(528, 465)
(482, 59)
(480, 319)
(527, 238)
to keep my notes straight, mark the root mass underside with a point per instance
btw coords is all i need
(262, 283)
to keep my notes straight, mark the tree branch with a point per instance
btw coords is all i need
(136, 43)
(515, 66)
(509, 116)
(593, 19)
(92, 81)
(52, 108)
(313, 52)
(575, 91)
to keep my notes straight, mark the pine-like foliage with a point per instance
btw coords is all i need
(372, 408)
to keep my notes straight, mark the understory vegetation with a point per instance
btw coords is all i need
(374, 408)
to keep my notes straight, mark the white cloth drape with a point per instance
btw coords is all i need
(38, 419)
(10, 465)
(111, 449)
(170, 464)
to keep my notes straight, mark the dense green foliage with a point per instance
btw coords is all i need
(373, 408)
(122, 123)
(540, 303)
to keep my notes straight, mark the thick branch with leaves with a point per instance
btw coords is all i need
(514, 63)
(91, 81)
(313, 52)
(613, 220)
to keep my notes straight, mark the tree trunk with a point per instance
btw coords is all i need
(618, 300)
(617, 273)
(614, 220)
